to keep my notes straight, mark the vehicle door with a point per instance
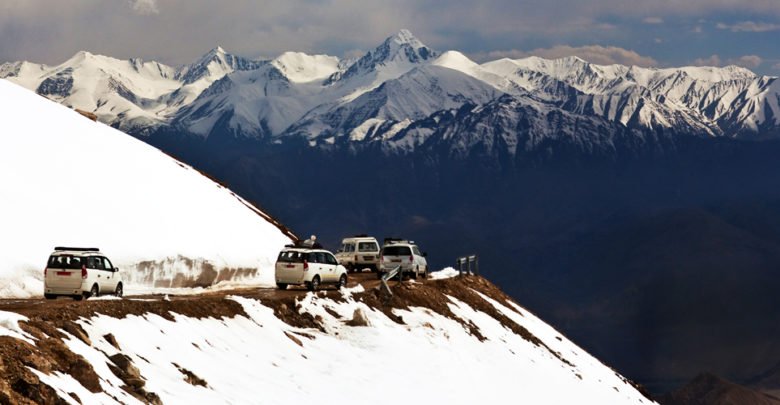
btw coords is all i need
(322, 266)
(109, 275)
(347, 253)
(419, 259)
(95, 272)
(333, 265)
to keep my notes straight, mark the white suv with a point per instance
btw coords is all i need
(359, 252)
(298, 265)
(80, 272)
(404, 253)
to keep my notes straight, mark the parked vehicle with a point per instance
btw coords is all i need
(79, 273)
(359, 252)
(298, 265)
(404, 253)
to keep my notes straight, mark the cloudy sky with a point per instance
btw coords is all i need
(642, 32)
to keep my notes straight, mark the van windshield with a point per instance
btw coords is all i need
(396, 251)
(291, 257)
(65, 262)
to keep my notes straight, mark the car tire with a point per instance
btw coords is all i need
(342, 281)
(119, 290)
(281, 286)
(314, 284)
(93, 292)
(78, 297)
(425, 273)
(50, 296)
(416, 272)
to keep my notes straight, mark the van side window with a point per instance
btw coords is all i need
(416, 251)
(349, 247)
(321, 257)
(108, 265)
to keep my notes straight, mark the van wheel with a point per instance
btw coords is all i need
(282, 286)
(49, 296)
(342, 281)
(314, 284)
(119, 290)
(425, 273)
(77, 297)
(415, 272)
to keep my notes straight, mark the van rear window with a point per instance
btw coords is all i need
(396, 251)
(367, 247)
(291, 257)
(65, 262)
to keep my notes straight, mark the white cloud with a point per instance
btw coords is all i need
(145, 7)
(776, 66)
(749, 26)
(653, 20)
(600, 55)
(746, 61)
(713, 60)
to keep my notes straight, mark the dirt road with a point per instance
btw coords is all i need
(34, 306)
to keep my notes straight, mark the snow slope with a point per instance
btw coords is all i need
(255, 357)
(66, 180)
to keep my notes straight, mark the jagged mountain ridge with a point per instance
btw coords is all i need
(323, 99)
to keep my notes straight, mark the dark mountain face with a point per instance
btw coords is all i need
(708, 389)
(660, 257)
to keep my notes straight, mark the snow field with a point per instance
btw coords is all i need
(431, 358)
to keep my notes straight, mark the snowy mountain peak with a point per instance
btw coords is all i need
(455, 60)
(215, 64)
(395, 56)
(301, 67)
(404, 36)
(405, 46)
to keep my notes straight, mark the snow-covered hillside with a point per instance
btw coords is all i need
(454, 341)
(324, 99)
(69, 181)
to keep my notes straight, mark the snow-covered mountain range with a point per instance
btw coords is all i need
(397, 93)
(69, 181)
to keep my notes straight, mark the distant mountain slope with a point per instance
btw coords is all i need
(708, 389)
(73, 182)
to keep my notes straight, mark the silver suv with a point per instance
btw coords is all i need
(404, 253)
(80, 272)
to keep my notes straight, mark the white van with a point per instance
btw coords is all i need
(359, 252)
(80, 272)
(298, 265)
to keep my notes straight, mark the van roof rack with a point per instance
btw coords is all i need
(362, 235)
(76, 249)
